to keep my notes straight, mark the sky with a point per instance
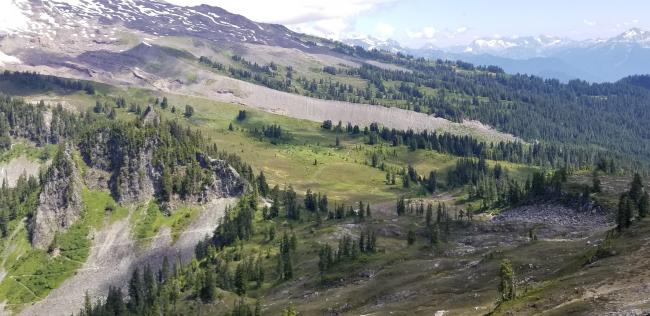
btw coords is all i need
(443, 23)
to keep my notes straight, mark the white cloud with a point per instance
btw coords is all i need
(332, 18)
(427, 32)
(384, 30)
(462, 30)
(291, 11)
(589, 23)
(330, 28)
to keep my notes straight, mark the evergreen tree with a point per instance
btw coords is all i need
(189, 111)
(624, 218)
(636, 188)
(507, 285)
(644, 205)
(595, 183)
(136, 290)
(401, 206)
(262, 186)
(207, 292)
(164, 103)
(431, 182)
(240, 280)
(410, 237)
(88, 306)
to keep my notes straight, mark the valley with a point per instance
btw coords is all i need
(157, 159)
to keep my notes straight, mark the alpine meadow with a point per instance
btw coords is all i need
(176, 158)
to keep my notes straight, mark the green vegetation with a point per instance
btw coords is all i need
(329, 222)
(575, 118)
(33, 273)
(148, 220)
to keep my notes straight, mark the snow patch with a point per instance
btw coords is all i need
(13, 16)
(8, 59)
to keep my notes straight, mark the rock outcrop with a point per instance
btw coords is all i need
(60, 201)
(137, 179)
(133, 176)
(227, 181)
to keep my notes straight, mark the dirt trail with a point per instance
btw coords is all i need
(114, 254)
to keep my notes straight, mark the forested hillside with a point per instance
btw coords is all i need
(610, 116)
(159, 159)
(351, 212)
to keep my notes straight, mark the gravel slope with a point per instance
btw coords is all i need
(114, 256)
(13, 169)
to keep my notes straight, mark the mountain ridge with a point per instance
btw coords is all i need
(595, 60)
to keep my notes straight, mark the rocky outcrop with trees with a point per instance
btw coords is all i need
(60, 202)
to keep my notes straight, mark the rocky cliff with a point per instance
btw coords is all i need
(60, 202)
(127, 158)
(134, 158)
(136, 179)
(227, 181)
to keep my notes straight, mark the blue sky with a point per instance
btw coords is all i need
(444, 23)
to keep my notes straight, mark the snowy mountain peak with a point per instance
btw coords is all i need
(633, 35)
(369, 42)
(88, 18)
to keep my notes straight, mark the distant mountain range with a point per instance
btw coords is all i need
(596, 60)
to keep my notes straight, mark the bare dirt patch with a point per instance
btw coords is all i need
(114, 255)
(554, 220)
(16, 167)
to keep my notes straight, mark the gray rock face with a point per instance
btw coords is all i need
(60, 202)
(137, 179)
(227, 181)
(133, 178)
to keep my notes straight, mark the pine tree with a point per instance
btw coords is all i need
(410, 237)
(149, 285)
(431, 182)
(294, 242)
(135, 291)
(507, 284)
(240, 280)
(208, 291)
(164, 271)
(259, 271)
(164, 103)
(258, 308)
(595, 184)
(189, 111)
(636, 188)
(644, 205)
(88, 306)
(624, 218)
(262, 185)
(434, 237)
(429, 216)
(115, 302)
(401, 206)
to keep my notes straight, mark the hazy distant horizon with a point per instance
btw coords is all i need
(415, 23)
